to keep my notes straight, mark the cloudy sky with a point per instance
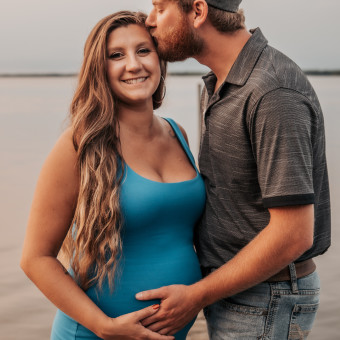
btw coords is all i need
(39, 36)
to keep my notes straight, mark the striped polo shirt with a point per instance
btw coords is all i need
(262, 146)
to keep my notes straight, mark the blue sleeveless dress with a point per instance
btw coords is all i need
(157, 239)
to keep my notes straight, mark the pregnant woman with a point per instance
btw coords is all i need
(119, 193)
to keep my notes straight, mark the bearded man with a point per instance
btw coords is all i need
(263, 159)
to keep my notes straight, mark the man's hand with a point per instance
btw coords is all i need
(179, 305)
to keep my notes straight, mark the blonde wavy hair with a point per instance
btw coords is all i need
(93, 244)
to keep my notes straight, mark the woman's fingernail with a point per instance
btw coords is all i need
(155, 306)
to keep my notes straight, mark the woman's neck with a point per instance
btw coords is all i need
(140, 122)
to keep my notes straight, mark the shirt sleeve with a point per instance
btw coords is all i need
(281, 133)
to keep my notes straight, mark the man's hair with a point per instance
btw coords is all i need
(223, 21)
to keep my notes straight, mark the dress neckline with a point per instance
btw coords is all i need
(186, 149)
(159, 182)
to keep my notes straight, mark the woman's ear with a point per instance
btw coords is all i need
(200, 8)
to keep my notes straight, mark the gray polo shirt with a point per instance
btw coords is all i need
(263, 146)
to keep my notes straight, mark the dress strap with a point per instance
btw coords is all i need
(182, 140)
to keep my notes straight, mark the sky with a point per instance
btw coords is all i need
(44, 36)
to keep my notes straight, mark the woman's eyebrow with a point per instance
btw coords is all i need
(119, 48)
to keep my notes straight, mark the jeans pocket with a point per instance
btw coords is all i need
(233, 306)
(228, 320)
(302, 319)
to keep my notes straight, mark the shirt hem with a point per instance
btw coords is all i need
(281, 201)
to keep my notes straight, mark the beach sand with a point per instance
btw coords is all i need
(199, 330)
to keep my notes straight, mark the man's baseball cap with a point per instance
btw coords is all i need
(225, 5)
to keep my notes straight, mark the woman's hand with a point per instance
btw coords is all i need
(129, 327)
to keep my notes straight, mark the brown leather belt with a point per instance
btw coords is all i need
(303, 268)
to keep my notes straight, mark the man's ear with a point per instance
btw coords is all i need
(200, 9)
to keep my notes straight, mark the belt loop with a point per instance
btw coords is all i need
(293, 278)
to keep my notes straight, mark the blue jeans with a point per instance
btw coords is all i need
(270, 311)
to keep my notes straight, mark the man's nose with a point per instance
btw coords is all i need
(150, 20)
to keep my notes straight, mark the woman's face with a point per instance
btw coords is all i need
(133, 67)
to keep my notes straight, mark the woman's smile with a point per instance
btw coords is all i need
(133, 81)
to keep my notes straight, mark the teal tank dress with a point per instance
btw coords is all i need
(157, 238)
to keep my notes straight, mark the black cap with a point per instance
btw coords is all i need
(225, 5)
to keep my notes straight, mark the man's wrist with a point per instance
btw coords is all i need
(200, 294)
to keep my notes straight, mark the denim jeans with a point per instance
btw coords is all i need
(270, 311)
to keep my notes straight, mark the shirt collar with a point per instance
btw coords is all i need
(244, 64)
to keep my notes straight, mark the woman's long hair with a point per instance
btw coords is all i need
(93, 243)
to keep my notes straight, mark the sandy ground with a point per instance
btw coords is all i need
(199, 330)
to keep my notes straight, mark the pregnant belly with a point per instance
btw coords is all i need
(138, 274)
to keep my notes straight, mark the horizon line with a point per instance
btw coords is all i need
(171, 73)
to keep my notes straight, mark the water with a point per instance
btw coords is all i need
(33, 112)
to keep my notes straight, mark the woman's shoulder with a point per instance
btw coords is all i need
(182, 130)
(59, 173)
(183, 133)
(63, 155)
(65, 143)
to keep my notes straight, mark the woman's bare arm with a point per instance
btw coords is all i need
(49, 221)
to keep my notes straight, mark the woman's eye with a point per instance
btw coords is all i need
(143, 51)
(115, 55)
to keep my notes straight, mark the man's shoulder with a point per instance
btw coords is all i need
(274, 71)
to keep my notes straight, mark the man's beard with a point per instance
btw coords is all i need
(179, 43)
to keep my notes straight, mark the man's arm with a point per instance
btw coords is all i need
(287, 236)
(280, 128)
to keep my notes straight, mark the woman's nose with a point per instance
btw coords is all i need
(133, 64)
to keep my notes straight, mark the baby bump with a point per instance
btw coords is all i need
(137, 274)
